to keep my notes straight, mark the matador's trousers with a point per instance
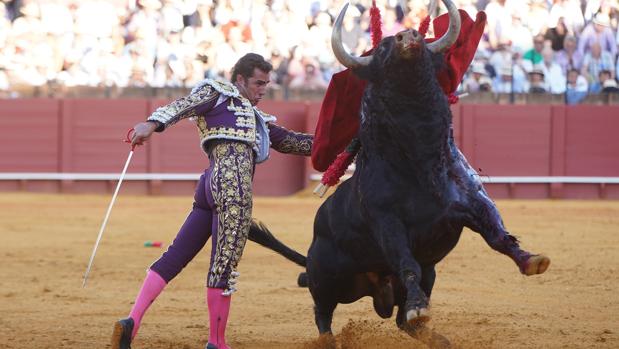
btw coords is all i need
(222, 208)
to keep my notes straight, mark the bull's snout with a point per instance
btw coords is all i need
(408, 38)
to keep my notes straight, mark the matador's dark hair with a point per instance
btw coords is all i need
(246, 65)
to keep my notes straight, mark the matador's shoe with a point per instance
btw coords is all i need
(213, 346)
(121, 337)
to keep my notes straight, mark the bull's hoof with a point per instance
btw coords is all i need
(324, 341)
(417, 316)
(536, 264)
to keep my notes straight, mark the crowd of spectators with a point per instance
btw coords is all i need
(530, 46)
(558, 47)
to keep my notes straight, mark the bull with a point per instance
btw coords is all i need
(383, 231)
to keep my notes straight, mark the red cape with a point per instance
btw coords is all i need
(338, 121)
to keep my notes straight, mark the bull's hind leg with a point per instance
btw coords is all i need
(487, 221)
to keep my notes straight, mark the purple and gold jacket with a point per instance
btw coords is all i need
(222, 113)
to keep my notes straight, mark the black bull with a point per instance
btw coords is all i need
(383, 231)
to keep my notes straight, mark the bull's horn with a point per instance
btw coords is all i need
(342, 56)
(451, 36)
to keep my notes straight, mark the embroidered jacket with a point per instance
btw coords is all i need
(221, 112)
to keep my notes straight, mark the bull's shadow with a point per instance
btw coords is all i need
(383, 231)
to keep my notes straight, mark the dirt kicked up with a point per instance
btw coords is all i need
(479, 300)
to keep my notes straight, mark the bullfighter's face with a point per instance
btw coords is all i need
(253, 87)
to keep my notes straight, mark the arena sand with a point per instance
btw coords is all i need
(479, 301)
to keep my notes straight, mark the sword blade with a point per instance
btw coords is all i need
(107, 216)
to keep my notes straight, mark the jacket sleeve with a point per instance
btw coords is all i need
(290, 142)
(196, 103)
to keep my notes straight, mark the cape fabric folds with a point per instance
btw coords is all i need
(338, 121)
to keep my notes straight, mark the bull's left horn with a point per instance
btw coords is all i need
(451, 36)
(340, 53)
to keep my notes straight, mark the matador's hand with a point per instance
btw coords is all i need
(142, 132)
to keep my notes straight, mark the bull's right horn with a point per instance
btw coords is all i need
(340, 53)
(453, 32)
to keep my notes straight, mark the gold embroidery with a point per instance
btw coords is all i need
(244, 113)
(183, 107)
(244, 109)
(299, 143)
(232, 192)
(248, 135)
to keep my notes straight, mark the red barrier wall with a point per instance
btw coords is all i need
(91, 141)
(29, 142)
(84, 135)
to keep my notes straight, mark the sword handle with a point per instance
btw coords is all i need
(128, 138)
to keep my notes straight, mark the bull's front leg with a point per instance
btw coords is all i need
(486, 220)
(391, 235)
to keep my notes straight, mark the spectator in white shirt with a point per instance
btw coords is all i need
(555, 80)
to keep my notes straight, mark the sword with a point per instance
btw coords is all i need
(109, 208)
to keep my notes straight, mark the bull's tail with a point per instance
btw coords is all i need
(261, 235)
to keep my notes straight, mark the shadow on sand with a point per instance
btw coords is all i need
(366, 334)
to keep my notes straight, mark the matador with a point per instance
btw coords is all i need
(236, 136)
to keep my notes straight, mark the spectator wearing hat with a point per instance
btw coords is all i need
(610, 86)
(555, 80)
(600, 32)
(478, 80)
(536, 83)
(595, 61)
(603, 76)
(569, 57)
(576, 89)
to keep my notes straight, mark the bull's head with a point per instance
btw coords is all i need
(407, 45)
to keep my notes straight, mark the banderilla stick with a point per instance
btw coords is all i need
(109, 209)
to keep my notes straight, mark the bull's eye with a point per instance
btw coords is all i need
(398, 37)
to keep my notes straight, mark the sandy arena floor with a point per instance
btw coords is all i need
(479, 301)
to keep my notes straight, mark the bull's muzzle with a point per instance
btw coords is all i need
(408, 39)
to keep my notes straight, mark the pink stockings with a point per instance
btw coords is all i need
(218, 310)
(152, 287)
